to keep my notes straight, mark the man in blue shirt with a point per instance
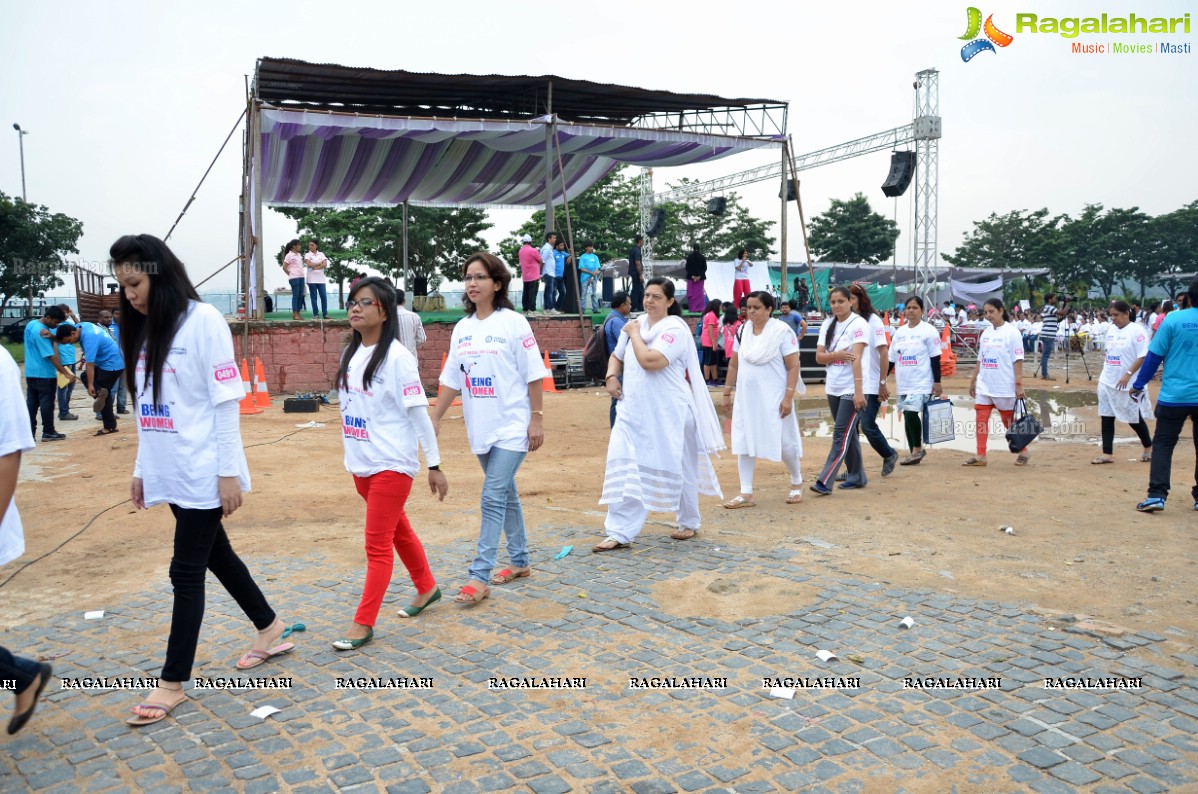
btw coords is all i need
(588, 276)
(621, 305)
(104, 367)
(67, 357)
(41, 372)
(561, 259)
(1176, 344)
(791, 316)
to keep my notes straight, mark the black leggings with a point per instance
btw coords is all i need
(201, 545)
(913, 424)
(1108, 434)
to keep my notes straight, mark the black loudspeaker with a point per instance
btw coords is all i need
(789, 190)
(657, 223)
(717, 206)
(902, 168)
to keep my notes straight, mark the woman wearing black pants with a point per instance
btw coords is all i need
(189, 455)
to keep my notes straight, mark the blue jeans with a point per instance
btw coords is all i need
(550, 293)
(321, 290)
(64, 395)
(501, 513)
(297, 293)
(122, 393)
(588, 289)
(1046, 342)
(869, 425)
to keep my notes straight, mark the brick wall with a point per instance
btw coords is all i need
(303, 356)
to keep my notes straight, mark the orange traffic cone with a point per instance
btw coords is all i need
(547, 384)
(455, 403)
(247, 402)
(262, 394)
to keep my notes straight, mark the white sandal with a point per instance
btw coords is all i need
(738, 502)
(795, 496)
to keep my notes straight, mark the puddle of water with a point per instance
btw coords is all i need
(1058, 413)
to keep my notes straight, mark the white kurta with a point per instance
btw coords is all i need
(758, 430)
(645, 453)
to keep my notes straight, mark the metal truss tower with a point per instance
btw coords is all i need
(926, 123)
(646, 206)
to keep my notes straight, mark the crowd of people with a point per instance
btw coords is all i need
(665, 429)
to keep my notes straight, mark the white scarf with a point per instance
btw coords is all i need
(711, 435)
(759, 350)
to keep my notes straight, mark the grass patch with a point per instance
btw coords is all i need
(17, 351)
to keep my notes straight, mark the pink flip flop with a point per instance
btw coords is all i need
(259, 657)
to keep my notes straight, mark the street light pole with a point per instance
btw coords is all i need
(21, 140)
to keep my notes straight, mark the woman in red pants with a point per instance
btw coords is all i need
(384, 414)
(741, 287)
(998, 380)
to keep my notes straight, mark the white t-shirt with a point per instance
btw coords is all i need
(962, 317)
(998, 350)
(871, 367)
(375, 429)
(315, 275)
(176, 439)
(1123, 346)
(491, 362)
(854, 330)
(911, 353)
(15, 436)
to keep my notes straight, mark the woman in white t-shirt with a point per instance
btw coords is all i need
(875, 369)
(1126, 346)
(316, 263)
(741, 285)
(915, 359)
(495, 364)
(189, 455)
(998, 380)
(384, 417)
(843, 351)
(765, 373)
(658, 455)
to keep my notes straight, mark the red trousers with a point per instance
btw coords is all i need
(388, 532)
(982, 423)
(740, 288)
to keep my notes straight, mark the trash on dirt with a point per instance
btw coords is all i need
(907, 622)
(96, 615)
(825, 656)
(262, 712)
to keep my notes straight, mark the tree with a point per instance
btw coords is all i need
(719, 236)
(1174, 248)
(33, 242)
(439, 239)
(1018, 240)
(1119, 242)
(852, 232)
(607, 214)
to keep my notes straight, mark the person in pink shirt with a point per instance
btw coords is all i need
(731, 326)
(530, 274)
(293, 265)
(707, 339)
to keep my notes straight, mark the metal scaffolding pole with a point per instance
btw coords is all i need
(927, 174)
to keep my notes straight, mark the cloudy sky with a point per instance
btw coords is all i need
(127, 103)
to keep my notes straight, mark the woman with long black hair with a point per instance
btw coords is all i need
(708, 339)
(189, 454)
(494, 362)
(842, 350)
(874, 369)
(384, 416)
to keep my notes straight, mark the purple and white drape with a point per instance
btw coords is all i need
(321, 159)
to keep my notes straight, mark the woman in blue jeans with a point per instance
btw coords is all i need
(293, 264)
(495, 364)
(874, 369)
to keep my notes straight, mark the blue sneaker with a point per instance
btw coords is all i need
(820, 488)
(1153, 504)
(849, 486)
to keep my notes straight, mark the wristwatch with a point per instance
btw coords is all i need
(435, 468)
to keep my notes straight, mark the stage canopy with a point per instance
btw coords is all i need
(340, 136)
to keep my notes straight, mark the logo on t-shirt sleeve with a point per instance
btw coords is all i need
(529, 342)
(225, 372)
(668, 338)
(413, 390)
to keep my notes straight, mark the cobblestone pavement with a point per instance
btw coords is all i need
(608, 618)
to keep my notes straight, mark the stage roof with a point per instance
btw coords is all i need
(284, 81)
(336, 136)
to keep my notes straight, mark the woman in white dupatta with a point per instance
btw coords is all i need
(765, 373)
(666, 427)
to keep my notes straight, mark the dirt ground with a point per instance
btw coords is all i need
(1078, 545)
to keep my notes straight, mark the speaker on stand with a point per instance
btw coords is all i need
(657, 223)
(717, 206)
(902, 169)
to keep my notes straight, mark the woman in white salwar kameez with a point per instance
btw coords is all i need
(765, 373)
(666, 427)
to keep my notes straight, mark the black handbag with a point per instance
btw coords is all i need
(1024, 429)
